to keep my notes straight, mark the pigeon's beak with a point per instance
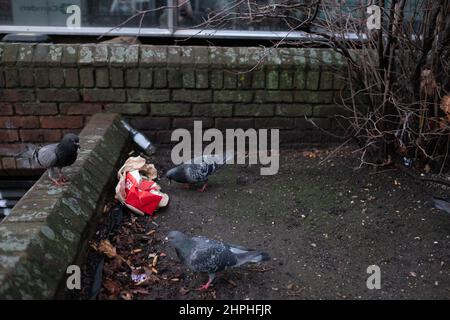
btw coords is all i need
(166, 239)
(78, 145)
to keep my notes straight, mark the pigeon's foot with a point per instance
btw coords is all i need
(63, 178)
(204, 287)
(203, 189)
(208, 284)
(186, 186)
(57, 182)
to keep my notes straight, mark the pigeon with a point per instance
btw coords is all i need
(442, 204)
(56, 156)
(198, 170)
(201, 254)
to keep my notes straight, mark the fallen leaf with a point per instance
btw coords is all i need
(107, 248)
(232, 283)
(445, 104)
(110, 251)
(126, 296)
(402, 150)
(309, 154)
(155, 261)
(140, 291)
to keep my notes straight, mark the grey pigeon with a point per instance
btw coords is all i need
(201, 254)
(198, 169)
(56, 156)
(442, 204)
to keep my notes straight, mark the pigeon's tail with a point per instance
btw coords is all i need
(29, 151)
(251, 256)
(441, 204)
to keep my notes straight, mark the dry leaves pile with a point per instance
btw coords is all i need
(445, 106)
(134, 263)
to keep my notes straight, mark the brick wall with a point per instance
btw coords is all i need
(47, 90)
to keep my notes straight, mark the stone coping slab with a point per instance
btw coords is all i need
(101, 54)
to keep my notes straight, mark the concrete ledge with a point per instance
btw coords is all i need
(102, 54)
(45, 231)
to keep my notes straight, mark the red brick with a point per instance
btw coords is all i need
(272, 123)
(149, 123)
(80, 108)
(12, 150)
(9, 135)
(23, 163)
(66, 131)
(104, 95)
(223, 123)
(14, 95)
(62, 122)
(6, 109)
(19, 122)
(71, 77)
(188, 123)
(163, 136)
(36, 108)
(8, 163)
(62, 95)
(40, 135)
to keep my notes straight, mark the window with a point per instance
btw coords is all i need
(268, 19)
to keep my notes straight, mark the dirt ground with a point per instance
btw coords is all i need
(322, 223)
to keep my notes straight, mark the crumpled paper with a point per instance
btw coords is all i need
(136, 188)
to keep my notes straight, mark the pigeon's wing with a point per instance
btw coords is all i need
(218, 159)
(199, 172)
(210, 256)
(244, 255)
(180, 255)
(46, 156)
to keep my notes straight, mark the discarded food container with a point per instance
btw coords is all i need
(136, 188)
(140, 139)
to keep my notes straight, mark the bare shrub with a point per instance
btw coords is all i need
(400, 70)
